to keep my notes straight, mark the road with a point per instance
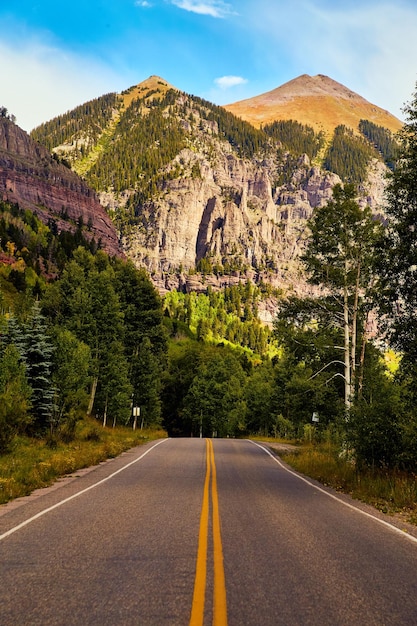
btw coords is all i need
(192, 532)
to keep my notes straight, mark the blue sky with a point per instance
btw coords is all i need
(56, 54)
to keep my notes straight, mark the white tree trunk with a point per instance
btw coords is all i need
(92, 395)
(348, 385)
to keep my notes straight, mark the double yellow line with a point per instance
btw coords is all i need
(219, 597)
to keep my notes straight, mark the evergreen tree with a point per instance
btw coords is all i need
(38, 351)
(398, 257)
(146, 379)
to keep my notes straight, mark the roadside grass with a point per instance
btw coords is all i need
(32, 463)
(267, 439)
(390, 491)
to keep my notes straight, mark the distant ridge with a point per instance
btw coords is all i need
(317, 101)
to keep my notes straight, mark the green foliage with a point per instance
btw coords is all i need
(147, 384)
(15, 394)
(374, 430)
(396, 258)
(70, 377)
(295, 137)
(98, 311)
(144, 141)
(214, 403)
(383, 141)
(82, 126)
(37, 355)
(260, 401)
(35, 252)
(35, 348)
(6, 115)
(342, 240)
(32, 464)
(230, 314)
(242, 136)
(349, 155)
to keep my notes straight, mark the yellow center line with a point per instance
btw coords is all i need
(197, 612)
(220, 607)
(219, 599)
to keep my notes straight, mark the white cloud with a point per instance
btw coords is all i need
(143, 3)
(214, 8)
(226, 82)
(40, 81)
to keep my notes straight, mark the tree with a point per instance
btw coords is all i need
(376, 430)
(145, 338)
(339, 258)
(85, 302)
(215, 401)
(184, 359)
(397, 251)
(37, 357)
(14, 395)
(259, 396)
(146, 379)
(71, 363)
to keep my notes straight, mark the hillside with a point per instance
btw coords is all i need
(201, 197)
(31, 178)
(316, 101)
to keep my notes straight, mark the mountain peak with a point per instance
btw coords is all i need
(318, 101)
(154, 84)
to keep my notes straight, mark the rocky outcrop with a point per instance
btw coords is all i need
(30, 177)
(236, 218)
(222, 202)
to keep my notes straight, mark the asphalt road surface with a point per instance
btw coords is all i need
(194, 531)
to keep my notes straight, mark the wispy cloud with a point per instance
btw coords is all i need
(213, 8)
(54, 80)
(226, 82)
(143, 3)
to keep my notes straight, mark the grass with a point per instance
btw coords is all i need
(390, 491)
(32, 464)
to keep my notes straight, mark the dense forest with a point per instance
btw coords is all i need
(382, 139)
(349, 155)
(296, 138)
(139, 143)
(82, 126)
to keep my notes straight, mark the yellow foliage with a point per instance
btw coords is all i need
(10, 248)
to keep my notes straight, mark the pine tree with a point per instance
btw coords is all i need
(37, 357)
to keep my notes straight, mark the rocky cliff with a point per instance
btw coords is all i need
(199, 196)
(30, 177)
(234, 222)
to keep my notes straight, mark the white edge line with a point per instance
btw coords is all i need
(75, 495)
(331, 495)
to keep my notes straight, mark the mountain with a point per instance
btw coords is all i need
(317, 101)
(203, 198)
(32, 178)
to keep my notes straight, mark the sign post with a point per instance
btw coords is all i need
(136, 413)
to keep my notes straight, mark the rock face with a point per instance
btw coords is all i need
(202, 198)
(235, 216)
(30, 177)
